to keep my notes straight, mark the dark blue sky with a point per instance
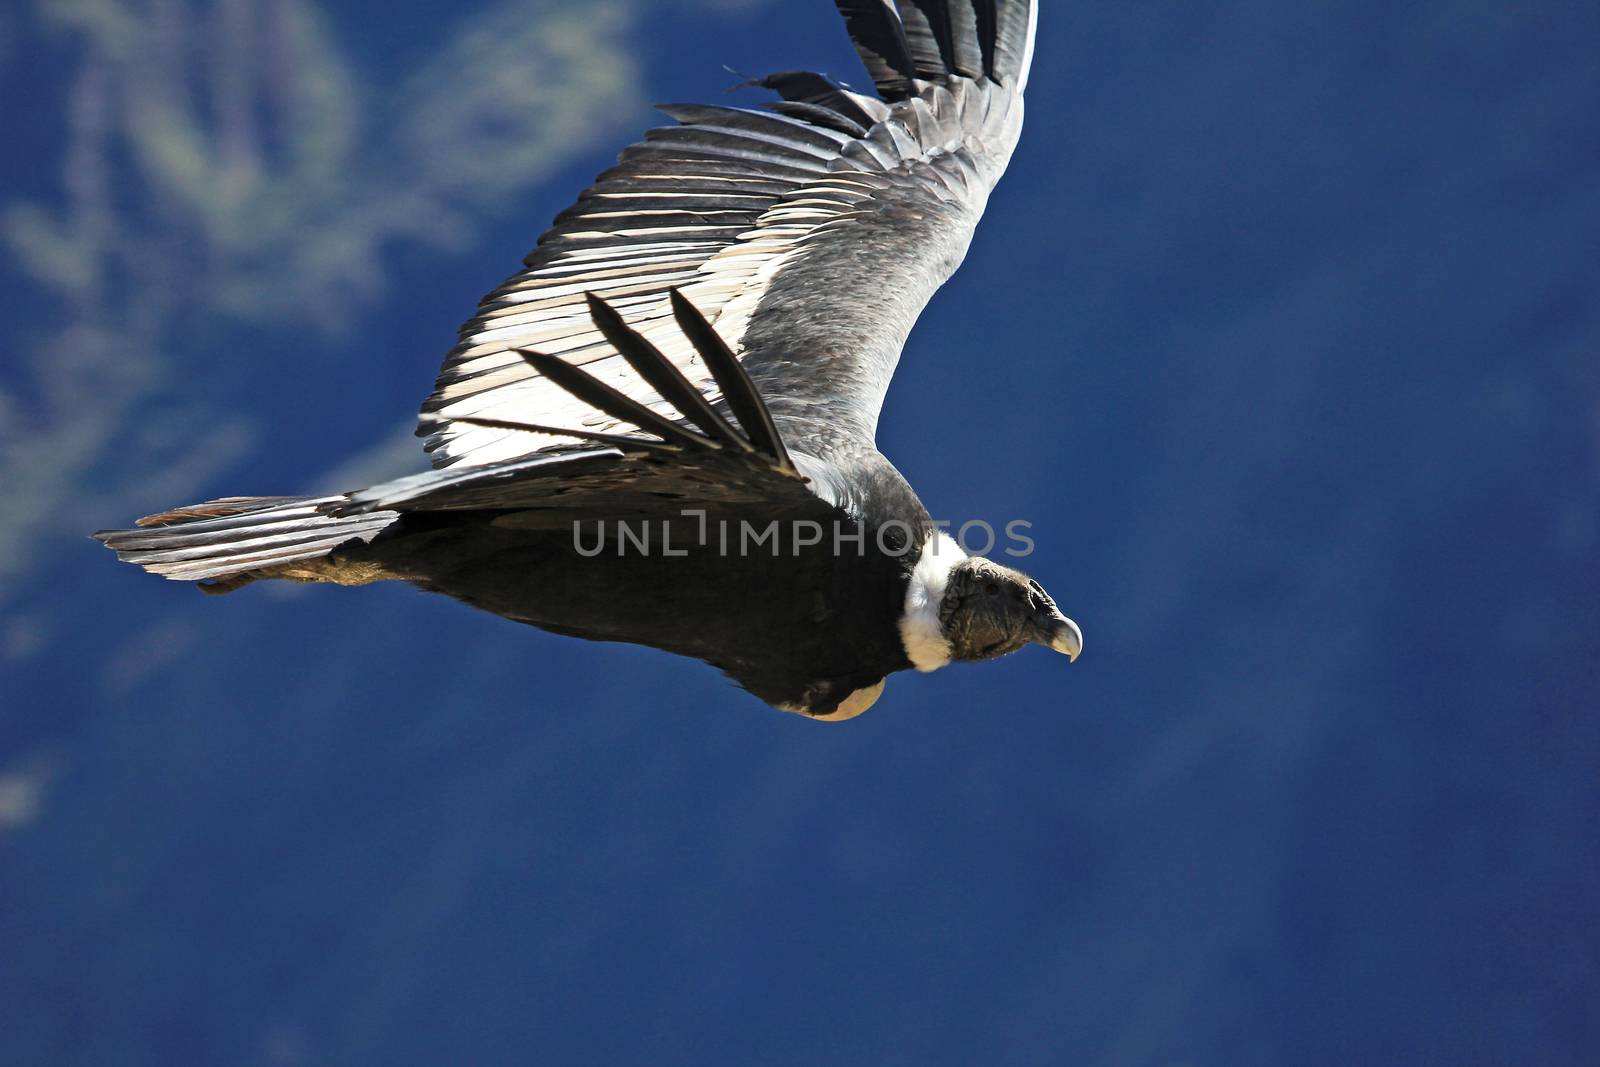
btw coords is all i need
(1282, 330)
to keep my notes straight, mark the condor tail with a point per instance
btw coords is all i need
(235, 540)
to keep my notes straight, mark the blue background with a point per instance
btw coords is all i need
(1283, 332)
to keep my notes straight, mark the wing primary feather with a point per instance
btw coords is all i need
(988, 24)
(927, 22)
(966, 52)
(648, 362)
(742, 397)
(880, 40)
(1013, 33)
(602, 397)
(616, 439)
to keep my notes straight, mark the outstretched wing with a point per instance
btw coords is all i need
(811, 236)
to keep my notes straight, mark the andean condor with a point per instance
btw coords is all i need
(661, 430)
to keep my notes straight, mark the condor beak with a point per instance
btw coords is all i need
(1065, 637)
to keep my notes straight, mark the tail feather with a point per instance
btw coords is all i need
(241, 534)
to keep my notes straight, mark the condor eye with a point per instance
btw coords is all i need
(992, 589)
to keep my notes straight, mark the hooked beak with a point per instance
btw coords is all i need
(1064, 636)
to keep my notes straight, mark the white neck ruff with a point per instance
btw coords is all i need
(920, 630)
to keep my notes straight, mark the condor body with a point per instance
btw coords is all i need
(693, 357)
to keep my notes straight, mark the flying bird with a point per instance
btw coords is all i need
(662, 429)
